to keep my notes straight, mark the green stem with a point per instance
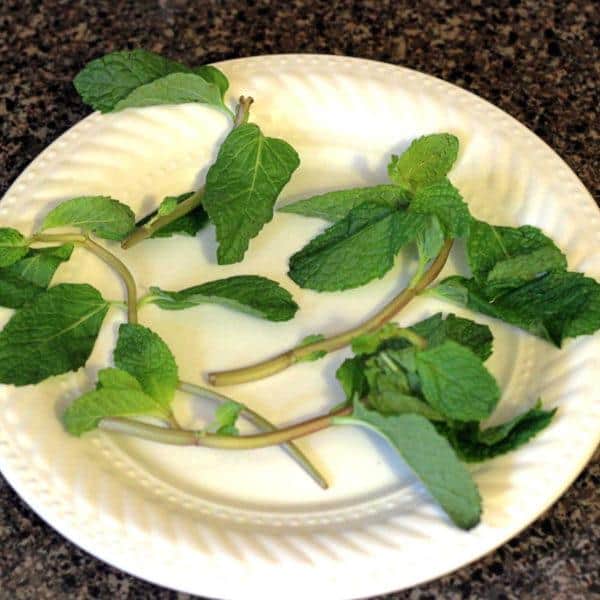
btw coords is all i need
(112, 261)
(263, 424)
(181, 437)
(108, 257)
(183, 208)
(286, 359)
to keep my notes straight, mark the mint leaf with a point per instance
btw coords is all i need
(455, 382)
(254, 295)
(367, 343)
(333, 206)
(226, 416)
(360, 247)
(243, 185)
(474, 336)
(554, 307)
(488, 245)
(107, 80)
(118, 379)
(430, 239)
(105, 217)
(442, 200)
(512, 272)
(88, 410)
(22, 281)
(474, 445)
(13, 246)
(167, 206)
(427, 159)
(317, 354)
(143, 354)
(175, 88)
(213, 75)
(352, 378)
(189, 224)
(430, 457)
(52, 335)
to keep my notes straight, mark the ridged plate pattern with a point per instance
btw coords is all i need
(240, 525)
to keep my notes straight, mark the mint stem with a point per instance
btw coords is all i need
(263, 424)
(181, 437)
(103, 254)
(183, 208)
(286, 359)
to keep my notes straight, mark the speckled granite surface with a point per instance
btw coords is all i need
(537, 60)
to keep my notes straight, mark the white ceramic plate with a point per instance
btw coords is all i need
(243, 525)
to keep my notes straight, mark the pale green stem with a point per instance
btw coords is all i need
(108, 257)
(286, 359)
(181, 437)
(263, 424)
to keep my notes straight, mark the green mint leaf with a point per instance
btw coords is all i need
(144, 355)
(367, 343)
(430, 239)
(105, 217)
(427, 159)
(474, 445)
(213, 75)
(430, 457)
(189, 224)
(175, 88)
(13, 246)
(251, 294)
(455, 382)
(510, 273)
(452, 289)
(351, 375)
(442, 200)
(243, 185)
(53, 334)
(353, 251)
(116, 378)
(88, 410)
(22, 281)
(167, 206)
(317, 354)
(225, 419)
(554, 307)
(107, 80)
(488, 245)
(333, 206)
(474, 336)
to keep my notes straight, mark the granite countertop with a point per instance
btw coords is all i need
(539, 61)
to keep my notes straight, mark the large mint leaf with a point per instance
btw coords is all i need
(333, 206)
(105, 217)
(189, 224)
(554, 307)
(213, 75)
(442, 200)
(251, 294)
(145, 356)
(474, 336)
(54, 334)
(176, 88)
(105, 81)
(22, 281)
(455, 382)
(13, 246)
(88, 410)
(473, 444)
(353, 251)
(430, 457)
(243, 185)
(492, 247)
(427, 159)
